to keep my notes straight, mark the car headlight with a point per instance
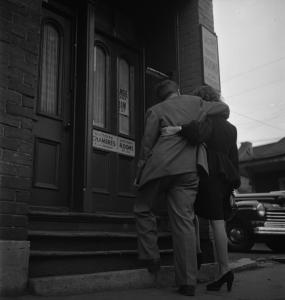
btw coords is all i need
(260, 209)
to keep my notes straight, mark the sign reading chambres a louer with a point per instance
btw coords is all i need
(113, 143)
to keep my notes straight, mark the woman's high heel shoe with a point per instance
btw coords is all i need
(216, 285)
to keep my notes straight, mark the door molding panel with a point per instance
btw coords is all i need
(46, 164)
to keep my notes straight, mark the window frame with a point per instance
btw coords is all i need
(131, 134)
(107, 127)
(58, 27)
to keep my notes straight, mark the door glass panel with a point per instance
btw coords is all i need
(49, 102)
(100, 87)
(124, 96)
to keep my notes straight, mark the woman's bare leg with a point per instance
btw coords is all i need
(221, 245)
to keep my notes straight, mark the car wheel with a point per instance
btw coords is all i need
(276, 245)
(239, 237)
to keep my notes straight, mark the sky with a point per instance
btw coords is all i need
(251, 41)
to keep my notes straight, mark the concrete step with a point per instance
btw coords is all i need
(126, 279)
(64, 243)
(74, 240)
(48, 220)
(52, 263)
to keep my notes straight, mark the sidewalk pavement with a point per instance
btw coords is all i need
(263, 282)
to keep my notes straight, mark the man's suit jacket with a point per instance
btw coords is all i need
(171, 155)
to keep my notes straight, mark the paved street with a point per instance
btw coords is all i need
(263, 283)
(258, 251)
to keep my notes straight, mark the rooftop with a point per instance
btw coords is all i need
(247, 152)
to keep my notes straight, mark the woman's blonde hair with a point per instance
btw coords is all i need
(207, 93)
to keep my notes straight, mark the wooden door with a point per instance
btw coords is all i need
(117, 115)
(53, 127)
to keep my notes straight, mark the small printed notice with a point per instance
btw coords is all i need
(126, 146)
(105, 141)
(124, 102)
(113, 143)
(210, 59)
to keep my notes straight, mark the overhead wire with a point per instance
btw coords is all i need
(254, 69)
(255, 88)
(258, 121)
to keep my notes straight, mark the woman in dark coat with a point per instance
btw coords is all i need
(215, 189)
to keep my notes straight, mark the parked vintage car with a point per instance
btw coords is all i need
(258, 217)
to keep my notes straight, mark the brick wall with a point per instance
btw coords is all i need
(192, 14)
(19, 50)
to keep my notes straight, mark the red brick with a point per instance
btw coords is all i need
(21, 209)
(4, 60)
(24, 171)
(15, 73)
(18, 30)
(34, 35)
(4, 82)
(7, 169)
(19, 133)
(29, 80)
(13, 97)
(10, 143)
(18, 86)
(27, 123)
(28, 102)
(7, 194)
(26, 148)
(5, 14)
(9, 120)
(32, 22)
(16, 145)
(17, 157)
(2, 105)
(31, 4)
(7, 207)
(1, 130)
(18, 110)
(31, 46)
(6, 220)
(23, 196)
(18, 60)
(15, 7)
(32, 58)
(13, 182)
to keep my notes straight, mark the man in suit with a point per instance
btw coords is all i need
(168, 165)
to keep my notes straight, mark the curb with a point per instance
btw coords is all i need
(279, 259)
(116, 280)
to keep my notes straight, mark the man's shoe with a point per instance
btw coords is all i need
(199, 260)
(152, 265)
(187, 290)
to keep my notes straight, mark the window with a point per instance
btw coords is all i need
(100, 87)
(50, 70)
(282, 184)
(124, 95)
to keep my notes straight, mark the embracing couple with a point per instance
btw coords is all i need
(189, 154)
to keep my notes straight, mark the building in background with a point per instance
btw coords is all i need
(76, 79)
(262, 167)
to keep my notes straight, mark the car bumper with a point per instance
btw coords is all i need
(269, 231)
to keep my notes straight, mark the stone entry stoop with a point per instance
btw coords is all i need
(126, 279)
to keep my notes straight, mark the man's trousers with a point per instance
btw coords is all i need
(180, 191)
